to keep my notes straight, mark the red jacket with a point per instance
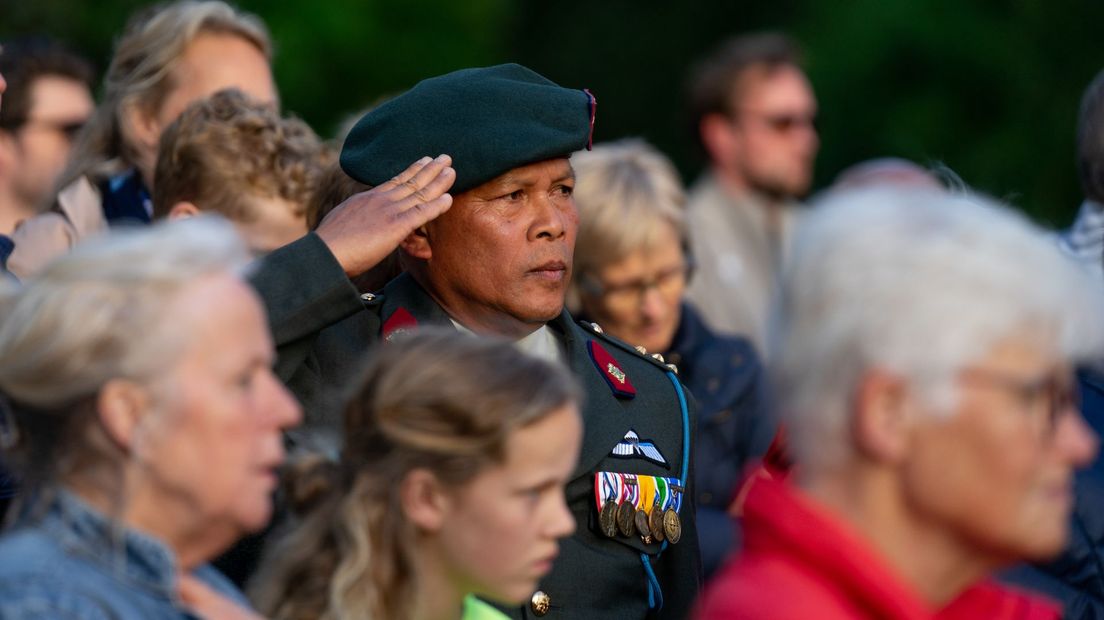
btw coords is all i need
(799, 563)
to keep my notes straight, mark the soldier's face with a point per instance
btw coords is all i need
(501, 256)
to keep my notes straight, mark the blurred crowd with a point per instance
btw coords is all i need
(463, 361)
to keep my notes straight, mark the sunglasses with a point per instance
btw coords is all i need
(782, 122)
(69, 129)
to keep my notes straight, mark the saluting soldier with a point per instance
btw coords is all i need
(494, 256)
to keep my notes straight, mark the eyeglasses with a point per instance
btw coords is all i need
(1058, 391)
(629, 295)
(783, 122)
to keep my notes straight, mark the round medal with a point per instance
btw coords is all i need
(607, 519)
(625, 517)
(655, 523)
(672, 525)
(641, 521)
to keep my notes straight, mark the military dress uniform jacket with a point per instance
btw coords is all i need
(322, 327)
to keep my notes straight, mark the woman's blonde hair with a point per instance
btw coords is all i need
(437, 400)
(94, 315)
(140, 77)
(626, 191)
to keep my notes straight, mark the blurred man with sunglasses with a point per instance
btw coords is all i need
(753, 113)
(49, 99)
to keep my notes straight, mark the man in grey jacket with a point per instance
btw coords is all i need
(753, 114)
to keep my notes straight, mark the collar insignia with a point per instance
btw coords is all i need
(633, 446)
(616, 372)
(611, 371)
(399, 321)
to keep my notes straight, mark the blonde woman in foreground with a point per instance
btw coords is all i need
(139, 410)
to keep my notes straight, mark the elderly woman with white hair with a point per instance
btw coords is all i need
(143, 418)
(925, 380)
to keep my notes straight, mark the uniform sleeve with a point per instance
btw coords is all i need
(304, 290)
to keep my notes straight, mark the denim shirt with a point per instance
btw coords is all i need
(75, 563)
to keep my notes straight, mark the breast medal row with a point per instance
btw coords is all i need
(633, 505)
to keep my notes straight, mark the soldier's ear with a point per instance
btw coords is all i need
(417, 244)
(425, 501)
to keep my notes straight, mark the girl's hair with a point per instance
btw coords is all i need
(437, 400)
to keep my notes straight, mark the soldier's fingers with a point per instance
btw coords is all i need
(424, 178)
(434, 187)
(407, 174)
(423, 212)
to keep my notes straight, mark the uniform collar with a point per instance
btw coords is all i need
(404, 293)
(540, 344)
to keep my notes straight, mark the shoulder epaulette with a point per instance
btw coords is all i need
(654, 358)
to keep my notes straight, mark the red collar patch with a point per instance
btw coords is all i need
(399, 321)
(611, 371)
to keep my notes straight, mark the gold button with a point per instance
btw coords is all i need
(657, 357)
(596, 327)
(641, 350)
(540, 603)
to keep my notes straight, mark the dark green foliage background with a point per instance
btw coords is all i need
(987, 87)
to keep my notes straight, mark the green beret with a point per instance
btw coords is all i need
(490, 120)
